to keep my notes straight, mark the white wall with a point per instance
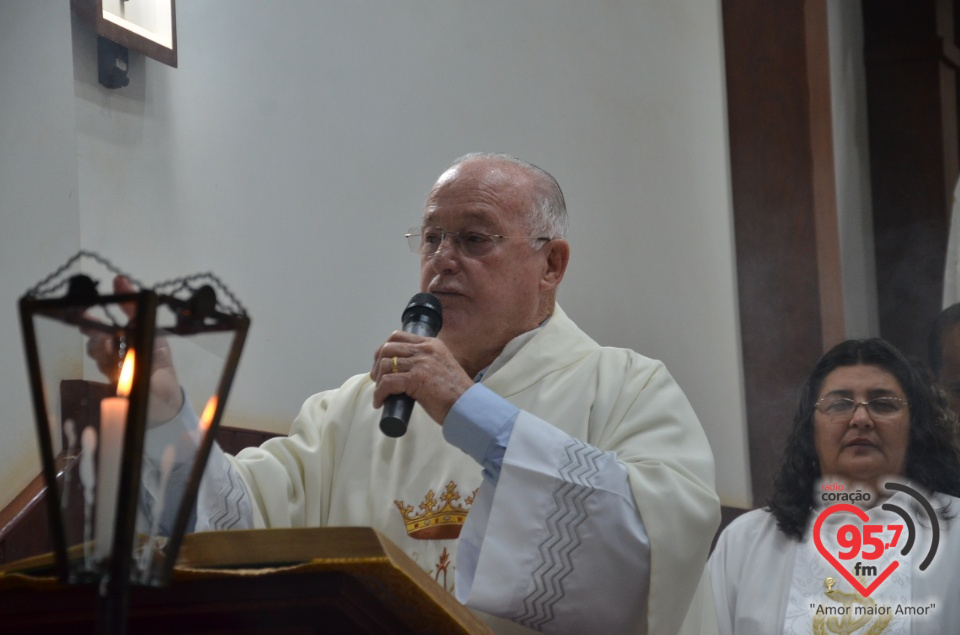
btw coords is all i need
(39, 216)
(293, 146)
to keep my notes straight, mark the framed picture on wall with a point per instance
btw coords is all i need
(147, 26)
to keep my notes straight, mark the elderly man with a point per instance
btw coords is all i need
(589, 505)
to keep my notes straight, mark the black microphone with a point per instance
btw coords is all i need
(423, 316)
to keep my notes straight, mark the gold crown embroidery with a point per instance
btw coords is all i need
(438, 520)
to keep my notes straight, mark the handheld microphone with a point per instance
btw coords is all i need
(423, 316)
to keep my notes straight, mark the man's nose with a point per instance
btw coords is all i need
(447, 255)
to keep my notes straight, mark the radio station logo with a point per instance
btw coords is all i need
(859, 544)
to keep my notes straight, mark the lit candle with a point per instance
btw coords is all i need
(207, 417)
(113, 419)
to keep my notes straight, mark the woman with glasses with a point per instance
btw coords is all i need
(871, 443)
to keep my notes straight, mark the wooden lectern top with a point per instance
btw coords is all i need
(312, 580)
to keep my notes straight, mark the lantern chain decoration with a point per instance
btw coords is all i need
(175, 285)
(55, 281)
(39, 291)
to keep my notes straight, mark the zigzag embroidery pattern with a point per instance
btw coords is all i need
(556, 551)
(229, 513)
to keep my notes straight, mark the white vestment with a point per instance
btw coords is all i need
(758, 576)
(544, 547)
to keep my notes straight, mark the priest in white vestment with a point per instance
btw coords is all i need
(867, 418)
(551, 484)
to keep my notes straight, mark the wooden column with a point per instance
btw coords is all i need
(911, 66)
(784, 202)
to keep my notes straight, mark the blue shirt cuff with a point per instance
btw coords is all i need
(480, 424)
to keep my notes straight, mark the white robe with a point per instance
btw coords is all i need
(337, 468)
(753, 573)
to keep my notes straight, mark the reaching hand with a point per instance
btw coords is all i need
(166, 398)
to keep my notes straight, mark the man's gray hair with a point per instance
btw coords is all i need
(548, 216)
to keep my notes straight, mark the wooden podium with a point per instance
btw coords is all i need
(258, 582)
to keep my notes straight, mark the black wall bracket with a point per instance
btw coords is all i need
(112, 63)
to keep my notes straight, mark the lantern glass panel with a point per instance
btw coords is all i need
(80, 353)
(189, 367)
(86, 421)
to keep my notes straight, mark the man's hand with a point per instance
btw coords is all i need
(166, 399)
(425, 369)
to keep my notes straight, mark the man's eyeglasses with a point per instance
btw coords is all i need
(842, 408)
(473, 244)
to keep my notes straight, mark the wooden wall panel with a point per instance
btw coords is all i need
(784, 209)
(788, 267)
(911, 64)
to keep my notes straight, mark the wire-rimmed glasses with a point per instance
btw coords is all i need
(471, 243)
(879, 408)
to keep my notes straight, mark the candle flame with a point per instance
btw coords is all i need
(126, 375)
(208, 411)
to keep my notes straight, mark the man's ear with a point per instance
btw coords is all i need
(557, 257)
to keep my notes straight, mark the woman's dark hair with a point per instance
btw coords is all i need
(933, 453)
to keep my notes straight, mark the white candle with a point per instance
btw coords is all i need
(113, 415)
(113, 419)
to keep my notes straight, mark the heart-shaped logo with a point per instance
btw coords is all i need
(853, 509)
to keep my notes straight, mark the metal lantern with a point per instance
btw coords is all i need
(117, 381)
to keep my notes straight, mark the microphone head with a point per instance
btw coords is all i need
(424, 307)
